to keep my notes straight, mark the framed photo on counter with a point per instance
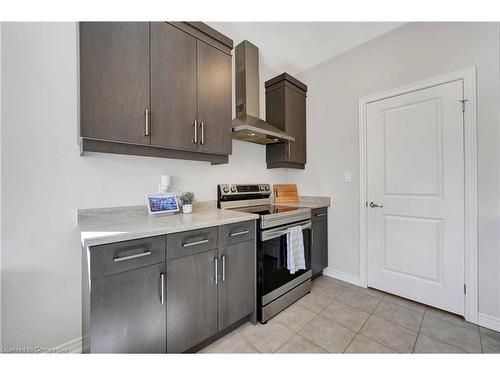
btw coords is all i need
(162, 203)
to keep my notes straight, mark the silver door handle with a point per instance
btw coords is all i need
(195, 125)
(223, 267)
(374, 205)
(188, 244)
(270, 234)
(202, 126)
(318, 215)
(216, 271)
(128, 257)
(239, 233)
(146, 116)
(289, 149)
(312, 236)
(162, 281)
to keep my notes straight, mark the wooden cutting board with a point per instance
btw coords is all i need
(286, 193)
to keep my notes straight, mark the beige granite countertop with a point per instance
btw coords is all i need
(312, 206)
(107, 226)
(309, 202)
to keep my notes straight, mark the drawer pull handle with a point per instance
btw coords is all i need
(223, 267)
(188, 244)
(216, 271)
(239, 233)
(318, 215)
(162, 281)
(129, 257)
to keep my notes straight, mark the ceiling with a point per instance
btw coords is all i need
(296, 46)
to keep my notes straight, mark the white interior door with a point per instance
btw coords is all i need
(415, 166)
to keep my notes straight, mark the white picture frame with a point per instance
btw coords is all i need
(162, 203)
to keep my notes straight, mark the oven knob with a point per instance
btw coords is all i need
(233, 189)
(262, 188)
(267, 188)
(226, 190)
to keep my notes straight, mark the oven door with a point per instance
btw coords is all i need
(274, 277)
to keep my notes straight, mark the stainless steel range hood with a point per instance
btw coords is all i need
(247, 126)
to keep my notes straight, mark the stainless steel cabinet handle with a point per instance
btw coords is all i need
(239, 233)
(289, 152)
(128, 257)
(318, 215)
(187, 244)
(216, 271)
(195, 125)
(223, 267)
(162, 281)
(146, 115)
(312, 236)
(374, 205)
(202, 126)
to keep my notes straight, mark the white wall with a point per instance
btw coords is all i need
(45, 181)
(408, 54)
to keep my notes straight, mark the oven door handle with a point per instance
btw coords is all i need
(270, 234)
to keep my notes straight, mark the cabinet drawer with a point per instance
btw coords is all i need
(123, 256)
(237, 232)
(319, 214)
(192, 242)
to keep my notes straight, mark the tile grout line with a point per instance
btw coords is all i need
(446, 343)
(358, 332)
(418, 332)
(481, 341)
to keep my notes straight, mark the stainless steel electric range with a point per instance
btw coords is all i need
(277, 288)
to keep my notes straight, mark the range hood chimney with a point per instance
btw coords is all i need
(247, 126)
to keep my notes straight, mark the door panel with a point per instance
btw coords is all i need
(296, 119)
(416, 171)
(173, 87)
(214, 99)
(114, 80)
(319, 248)
(191, 301)
(126, 312)
(237, 292)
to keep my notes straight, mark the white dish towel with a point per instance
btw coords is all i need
(295, 250)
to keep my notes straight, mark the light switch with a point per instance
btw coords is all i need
(347, 177)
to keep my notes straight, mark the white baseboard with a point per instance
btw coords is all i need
(343, 276)
(488, 321)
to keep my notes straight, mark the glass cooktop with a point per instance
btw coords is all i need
(266, 210)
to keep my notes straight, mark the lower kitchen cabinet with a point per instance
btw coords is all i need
(168, 294)
(191, 300)
(236, 291)
(319, 241)
(129, 312)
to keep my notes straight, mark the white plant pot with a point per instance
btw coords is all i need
(187, 208)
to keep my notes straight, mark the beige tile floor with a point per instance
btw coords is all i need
(338, 317)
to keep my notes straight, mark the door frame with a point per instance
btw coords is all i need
(468, 76)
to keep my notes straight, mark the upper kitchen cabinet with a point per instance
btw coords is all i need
(114, 81)
(174, 87)
(286, 110)
(214, 99)
(156, 89)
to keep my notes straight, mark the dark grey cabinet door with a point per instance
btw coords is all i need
(214, 100)
(191, 301)
(173, 87)
(127, 314)
(296, 126)
(237, 291)
(114, 81)
(319, 248)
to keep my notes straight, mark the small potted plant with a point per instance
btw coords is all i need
(187, 199)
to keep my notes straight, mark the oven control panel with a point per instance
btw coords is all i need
(241, 189)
